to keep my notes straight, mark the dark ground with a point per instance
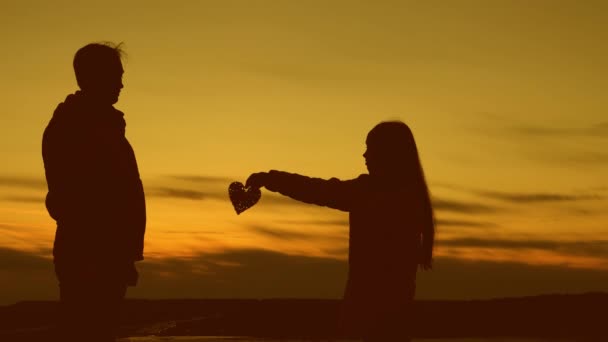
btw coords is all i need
(581, 317)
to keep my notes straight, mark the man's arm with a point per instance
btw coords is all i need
(75, 176)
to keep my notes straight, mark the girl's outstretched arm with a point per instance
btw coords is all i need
(332, 193)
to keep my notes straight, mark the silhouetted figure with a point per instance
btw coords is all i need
(96, 197)
(391, 230)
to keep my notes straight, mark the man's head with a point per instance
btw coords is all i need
(99, 71)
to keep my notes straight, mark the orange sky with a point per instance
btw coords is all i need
(506, 100)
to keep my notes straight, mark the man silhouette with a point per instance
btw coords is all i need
(96, 196)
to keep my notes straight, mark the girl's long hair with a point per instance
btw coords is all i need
(402, 162)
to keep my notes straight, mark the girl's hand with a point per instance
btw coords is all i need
(257, 180)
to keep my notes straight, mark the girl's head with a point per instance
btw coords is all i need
(391, 151)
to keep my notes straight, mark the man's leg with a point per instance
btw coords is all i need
(109, 300)
(90, 311)
(89, 304)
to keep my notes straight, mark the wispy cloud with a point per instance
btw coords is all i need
(584, 157)
(257, 273)
(21, 261)
(461, 279)
(185, 193)
(281, 233)
(537, 197)
(600, 129)
(465, 223)
(339, 252)
(269, 198)
(462, 207)
(254, 273)
(245, 273)
(525, 129)
(24, 199)
(287, 235)
(597, 248)
(201, 179)
(590, 194)
(512, 125)
(26, 276)
(439, 204)
(345, 223)
(23, 182)
(328, 222)
(541, 141)
(549, 142)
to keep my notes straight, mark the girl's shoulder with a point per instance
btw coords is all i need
(363, 181)
(360, 180)
(363, 178)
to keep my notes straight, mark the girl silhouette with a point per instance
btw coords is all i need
(392, 230)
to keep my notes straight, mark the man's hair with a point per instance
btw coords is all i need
(93, 60)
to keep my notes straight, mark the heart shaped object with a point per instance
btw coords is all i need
(243, 198)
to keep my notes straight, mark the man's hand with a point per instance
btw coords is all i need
(257, 180)
(426, 265)
(426, 262)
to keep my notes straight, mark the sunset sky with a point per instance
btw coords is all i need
(507, 101)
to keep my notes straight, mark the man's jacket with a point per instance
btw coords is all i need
(95, 192)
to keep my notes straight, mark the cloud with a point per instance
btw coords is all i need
(339, 252)
(600, 129)
(439, 204)
(191, 187)
(265, 274)
(513, 126)
(256, 273)
(23, 182)
(248, 273)
(464, 223)
(273, 199)
(217, 194)
(550, 143)
(26, 276)
(532, 130)
(21, 261)
(185, 194)
(296, 235)
(584, 157)
(155, 191)
(462, 207)
(282, 233)
(25, 199)
(572, 152)
(537, 197)
(289, 235)
(152, 191)
(268, 198)
(329, 222)
(594, 248)
(201, 179)
(214, 192)
(596, 130)
(458, 279)
(531, 197)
